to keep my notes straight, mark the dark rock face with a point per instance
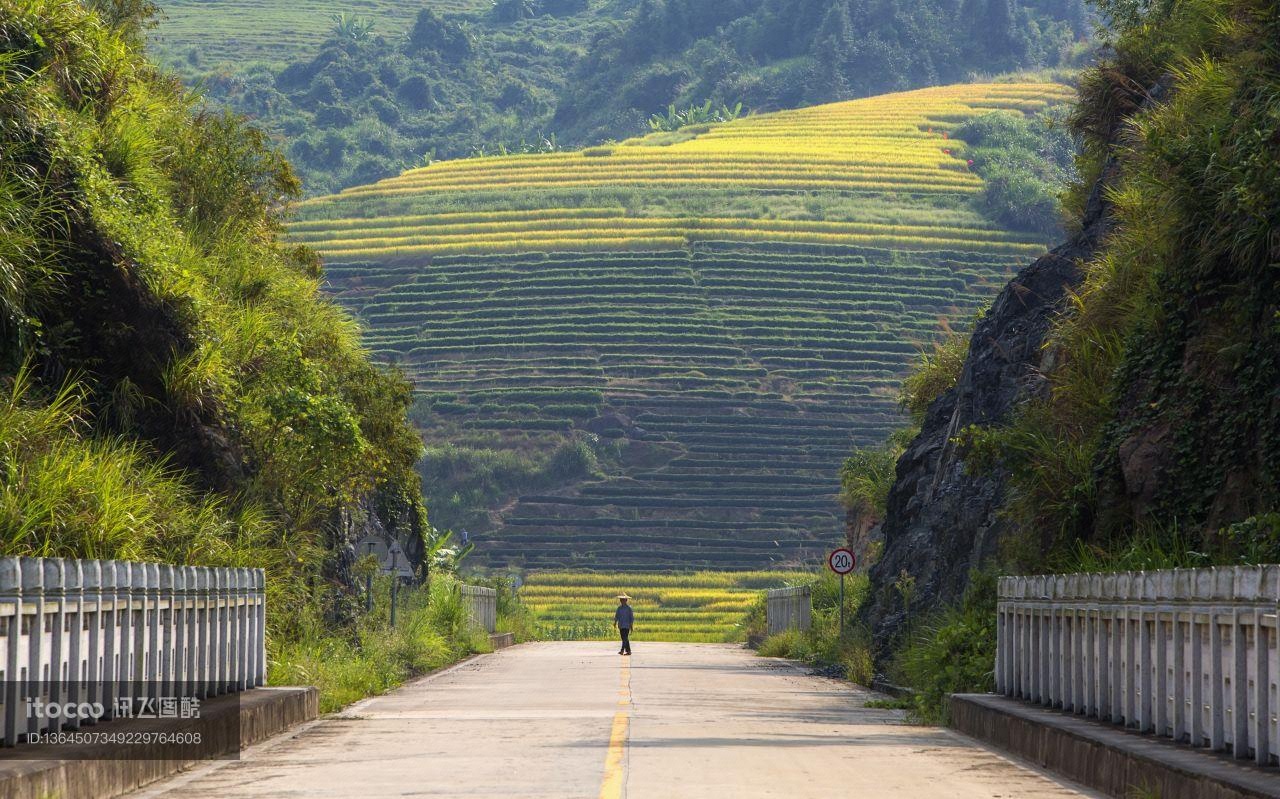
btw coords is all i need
(941, 521)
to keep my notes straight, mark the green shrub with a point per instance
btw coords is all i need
(952, 652)
(867, 475)
(571, 460)
(824, 643)
(431, 631)
(1026, 163)
(754, 626)
(933, 374)
(792, 644)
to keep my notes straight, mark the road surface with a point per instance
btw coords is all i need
(576, 720)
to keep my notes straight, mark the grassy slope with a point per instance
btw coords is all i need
(699, 607)
(229, 33)
(173, 386)
(719, 313)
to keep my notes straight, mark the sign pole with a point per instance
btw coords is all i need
(395, 583)
(368, 586)
(842, 606)
(841, 561)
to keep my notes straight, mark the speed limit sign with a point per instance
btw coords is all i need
(841, 561)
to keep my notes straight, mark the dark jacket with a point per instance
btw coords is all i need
(624, 616)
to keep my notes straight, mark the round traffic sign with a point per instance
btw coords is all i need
(841, 560)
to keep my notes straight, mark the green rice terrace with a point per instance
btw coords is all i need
(692, 608)
(656, 354)
(211, 32)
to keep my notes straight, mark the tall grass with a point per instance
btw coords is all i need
(824, 644)
(432, 631)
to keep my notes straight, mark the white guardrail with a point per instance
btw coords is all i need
(482, 606)
(99, 630)
(789, 608)
(1188, 654)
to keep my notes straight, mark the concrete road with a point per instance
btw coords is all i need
(577, 720)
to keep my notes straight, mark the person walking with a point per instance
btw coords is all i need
(624, 619)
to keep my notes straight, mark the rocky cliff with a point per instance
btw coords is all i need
(943, 519)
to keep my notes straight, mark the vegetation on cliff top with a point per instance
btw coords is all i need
(1161, 426)
(175, 386)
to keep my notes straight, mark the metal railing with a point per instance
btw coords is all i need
(789, 608)
(1188, 654)
(482, 606)
(101, 631)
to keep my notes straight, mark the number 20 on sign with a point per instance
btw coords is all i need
(841, 561)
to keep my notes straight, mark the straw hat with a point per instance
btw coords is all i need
(623, 596)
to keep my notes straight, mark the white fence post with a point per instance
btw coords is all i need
(260, 628)
(11, 607)
(789, 608)
(482, 606)
(33, 631)
(109, 611)
(98, 631)
(1186, 654)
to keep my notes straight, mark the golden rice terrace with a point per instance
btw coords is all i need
(719, 312)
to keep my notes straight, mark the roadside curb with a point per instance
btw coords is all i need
(263, 714)
(1114, 761)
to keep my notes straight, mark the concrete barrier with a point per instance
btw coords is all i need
(482, 606)
(100, 631)
(262, 712)
(502, 640)
(789, 609)
(1114, 761)
(1185, 654)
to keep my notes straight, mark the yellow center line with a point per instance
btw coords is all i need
(613, 784)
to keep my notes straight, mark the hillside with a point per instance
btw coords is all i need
(195, 35)
(173, 385)
(710, 317)
(364, 97)
(390, 85)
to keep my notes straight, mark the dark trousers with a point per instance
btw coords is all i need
(626, 640)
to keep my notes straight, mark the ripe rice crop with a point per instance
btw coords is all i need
(890, 145)
(702, 606)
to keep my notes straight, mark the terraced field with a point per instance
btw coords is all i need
(701, 607)
(236, 31)
(720, 313)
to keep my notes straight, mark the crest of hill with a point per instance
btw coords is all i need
(656, 353)
(701, 182)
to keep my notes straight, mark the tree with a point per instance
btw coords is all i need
(1003, 41)
(134, 17)
(831, 49)
(444, 36)
(508, 11)
(348, 27)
